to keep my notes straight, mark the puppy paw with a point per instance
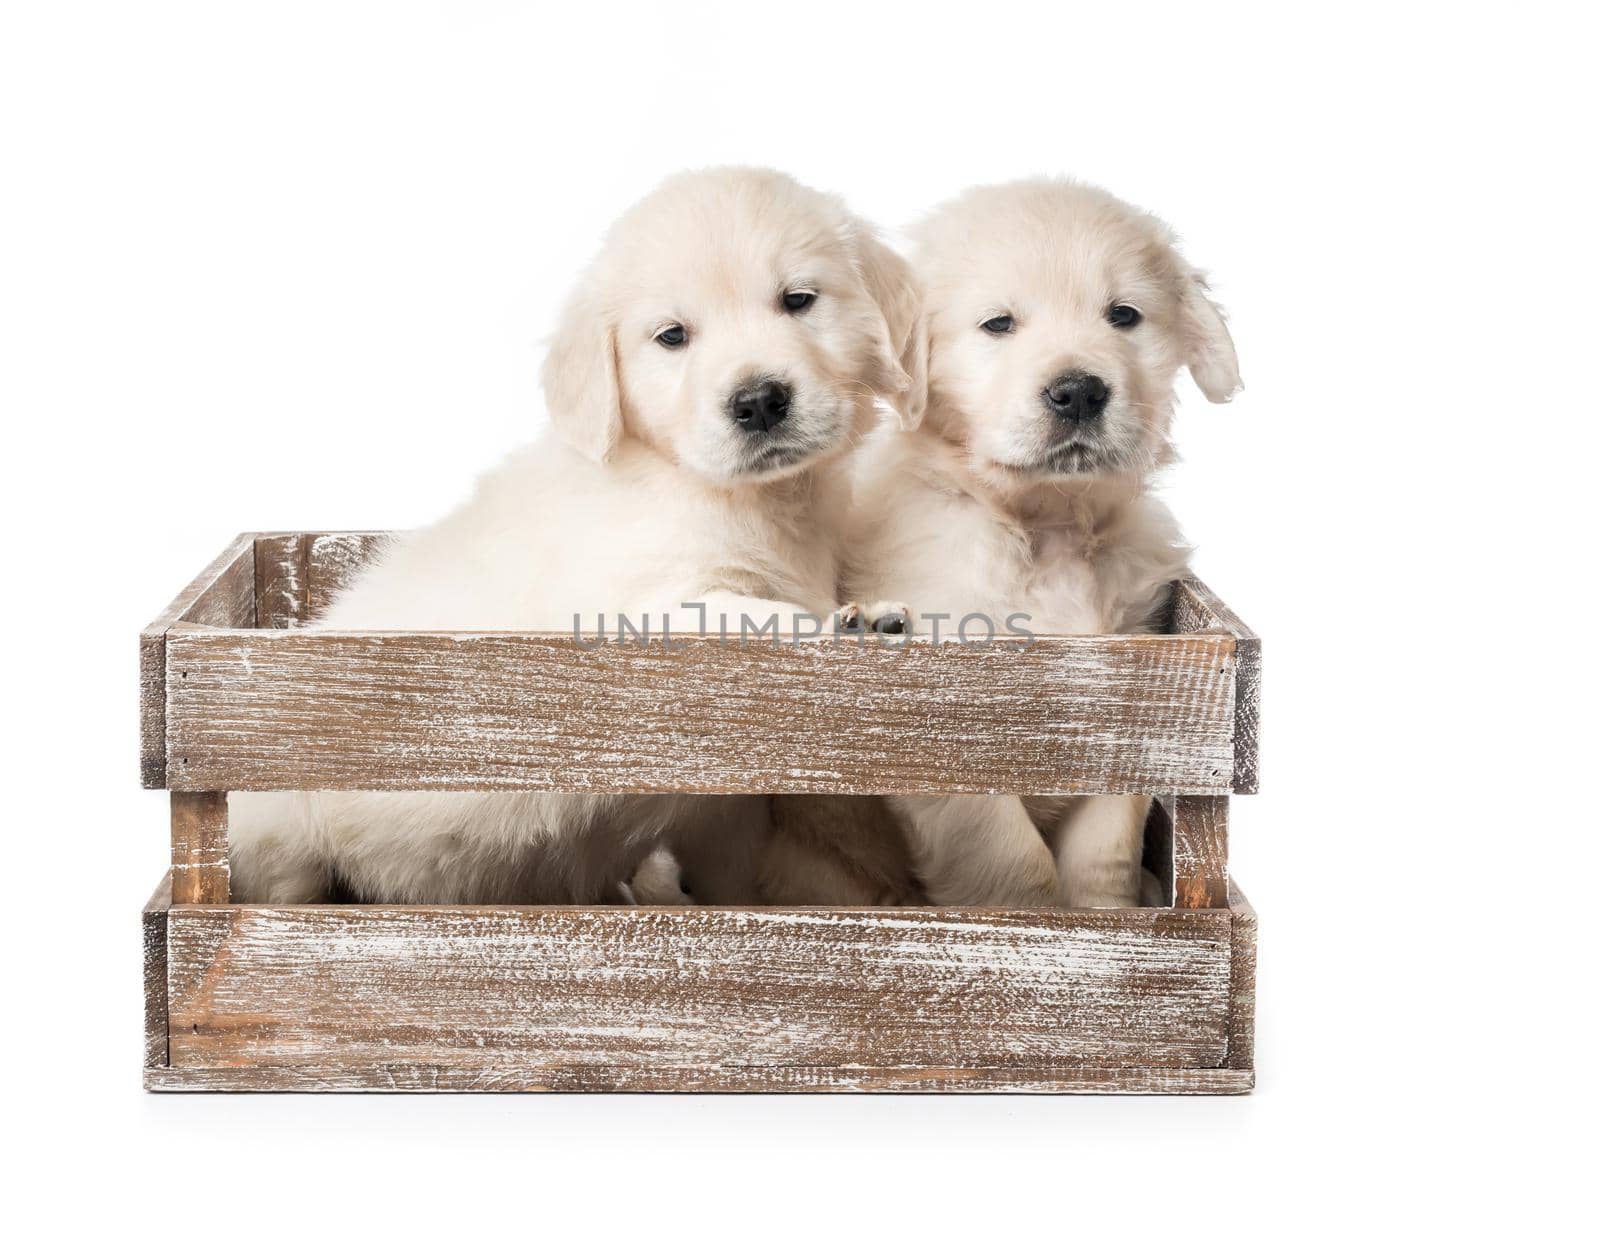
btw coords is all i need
(659, 881)
(882, 617)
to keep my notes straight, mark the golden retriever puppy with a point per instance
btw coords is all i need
(1057, 318)
(720, 354)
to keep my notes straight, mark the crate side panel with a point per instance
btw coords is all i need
(695, 992)
(332, 710)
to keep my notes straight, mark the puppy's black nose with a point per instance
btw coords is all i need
(759, 406)
(1077, 397)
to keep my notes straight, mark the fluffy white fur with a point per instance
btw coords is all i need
(996, 506)
(644, 496)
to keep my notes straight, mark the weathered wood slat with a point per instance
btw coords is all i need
(1196, 608)
(399, 1077)
(223, 595)
(667, 1019)
(281, 595)
(1242, 996)
(154, 930)
(200, 848)
(696, 992)
(282, 710)
(1200, 852)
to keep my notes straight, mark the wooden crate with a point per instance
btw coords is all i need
(246, 997)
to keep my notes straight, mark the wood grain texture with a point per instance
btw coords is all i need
(200, 848)
(1242, 996)
(627, 996)
(281, 595)
(222, 595)
(1200, 852)
(299, 572)
(1195, 609)
(400, 1077)
(290, 710)
(333, 560)
(153, 924)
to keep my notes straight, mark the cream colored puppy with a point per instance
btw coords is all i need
(717, 358)
(1057, 318)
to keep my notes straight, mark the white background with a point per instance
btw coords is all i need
(279, 266)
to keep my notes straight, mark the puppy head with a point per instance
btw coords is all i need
(740, 324)
(1058, 317)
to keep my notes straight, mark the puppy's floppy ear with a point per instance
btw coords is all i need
(903, 337)
(1207, 346)
(580, 380)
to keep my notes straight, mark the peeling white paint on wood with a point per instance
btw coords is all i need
(1199, 851)
(154, 933)
(300, 710)
(1196, 608)
(222, 595)
(281, 595)
(1242, 989)
(697, 989)
(200, 870)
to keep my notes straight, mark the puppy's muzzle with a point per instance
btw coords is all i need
(1077, 398)
(759, 406)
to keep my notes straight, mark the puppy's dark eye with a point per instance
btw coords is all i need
(1002, 325)
(673, 336)
(799, 301)
(1124, 316)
